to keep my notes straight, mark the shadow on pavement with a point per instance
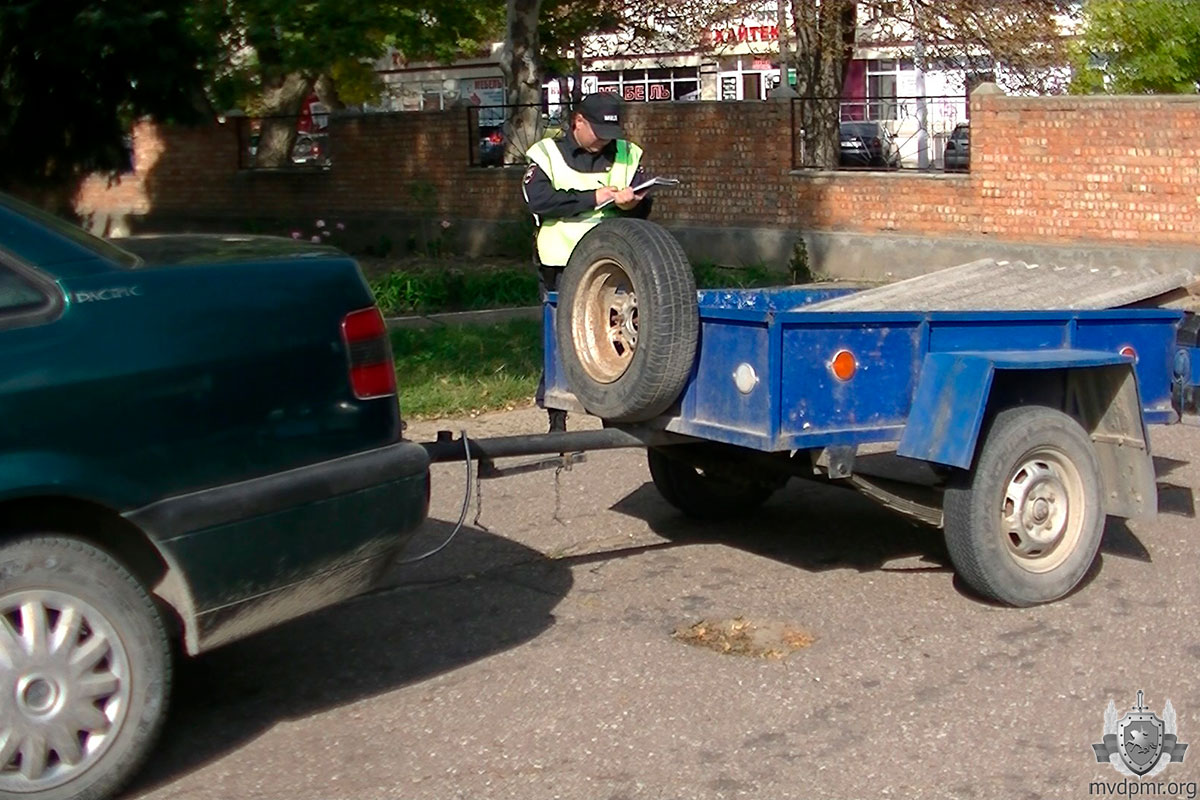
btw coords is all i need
(808, 525)
(819, 527)
(482, 595)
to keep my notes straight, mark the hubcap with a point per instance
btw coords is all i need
(64, 689)
(1042, 514)
(606, 321)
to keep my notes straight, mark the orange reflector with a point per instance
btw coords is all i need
(1129, 352)
(844, 365)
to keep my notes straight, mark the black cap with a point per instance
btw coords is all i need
(606, 113)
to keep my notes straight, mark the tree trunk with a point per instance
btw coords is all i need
(577, 74)
(280, 111)
(327, 92)
(824, 47)
(523, 79)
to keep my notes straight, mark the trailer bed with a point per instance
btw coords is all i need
(764, 378)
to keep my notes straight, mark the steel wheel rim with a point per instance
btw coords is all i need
(64, 689)
(606, 321)
(1042, 510)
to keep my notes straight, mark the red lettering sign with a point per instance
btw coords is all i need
(764, 33)
(660, 91)
(635, 92)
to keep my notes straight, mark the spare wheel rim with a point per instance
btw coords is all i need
(605, 316)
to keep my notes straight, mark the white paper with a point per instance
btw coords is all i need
(650, 183)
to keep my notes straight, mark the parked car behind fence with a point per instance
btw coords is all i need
(867, 144)
(957, 155)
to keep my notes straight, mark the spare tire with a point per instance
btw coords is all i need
(628, 321)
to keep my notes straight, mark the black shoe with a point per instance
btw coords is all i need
(558, 421)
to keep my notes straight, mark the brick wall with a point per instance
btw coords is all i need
(1122, 170)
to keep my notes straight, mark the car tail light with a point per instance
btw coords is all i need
(372, 370)
(496, 137)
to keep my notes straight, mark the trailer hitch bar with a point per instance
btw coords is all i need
(447, 448)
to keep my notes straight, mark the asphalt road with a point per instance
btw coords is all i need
(534, 658)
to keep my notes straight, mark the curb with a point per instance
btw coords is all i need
(489, 316)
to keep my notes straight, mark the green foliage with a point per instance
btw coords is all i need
(710, 275)
(457, 369)
(562, 24)
(261, 41)
(1138, 46)
(799, 267)
(76, 73)
(432, 291)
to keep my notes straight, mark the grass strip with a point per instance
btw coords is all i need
(431, 291)
(462, 369)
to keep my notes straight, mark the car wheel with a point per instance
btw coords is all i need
(702, 494)
(84, 671)
(628, 321)
(1023, 527)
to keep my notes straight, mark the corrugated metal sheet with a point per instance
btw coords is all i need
(991, 285)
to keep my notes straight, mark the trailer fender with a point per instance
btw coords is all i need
(957, 391)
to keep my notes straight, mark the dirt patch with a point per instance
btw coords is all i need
(743, 637)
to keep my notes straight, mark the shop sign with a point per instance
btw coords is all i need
(743, 33)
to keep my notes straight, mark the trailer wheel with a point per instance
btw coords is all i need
(84, 671)
(702, 495)
(627, 320)
(1023, 527)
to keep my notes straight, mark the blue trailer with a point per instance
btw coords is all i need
(1017, 432)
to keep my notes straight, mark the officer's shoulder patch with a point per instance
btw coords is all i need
(529, 173)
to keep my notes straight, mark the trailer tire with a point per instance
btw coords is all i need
(628, 321)
(1024, 525)
(705, 496)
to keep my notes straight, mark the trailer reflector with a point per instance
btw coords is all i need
(844, 365)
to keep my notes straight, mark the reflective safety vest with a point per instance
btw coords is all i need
(556, 238)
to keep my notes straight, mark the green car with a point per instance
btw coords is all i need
(199, 438)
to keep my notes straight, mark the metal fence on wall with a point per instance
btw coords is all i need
(499, 135)
(311, 146)
(927, 133)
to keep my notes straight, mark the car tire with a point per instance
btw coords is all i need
(628, 320)
(1024, 525)
(68, 730)
(703, 495)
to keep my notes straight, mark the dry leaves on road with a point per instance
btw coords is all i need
(740, 636)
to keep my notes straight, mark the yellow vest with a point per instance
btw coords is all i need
(556, 238)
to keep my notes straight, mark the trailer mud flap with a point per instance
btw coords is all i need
(951, 402)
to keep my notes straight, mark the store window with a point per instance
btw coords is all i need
(649, 85)
(883, 77)
(746, 78)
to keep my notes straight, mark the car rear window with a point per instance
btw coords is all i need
(101, 247)
(17, 295)
(860, 129)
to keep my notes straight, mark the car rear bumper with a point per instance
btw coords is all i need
(258, 552)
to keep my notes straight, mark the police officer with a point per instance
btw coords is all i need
(569, 178)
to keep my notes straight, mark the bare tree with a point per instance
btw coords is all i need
(1018, 43)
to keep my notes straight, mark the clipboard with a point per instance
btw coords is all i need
(649, 184)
